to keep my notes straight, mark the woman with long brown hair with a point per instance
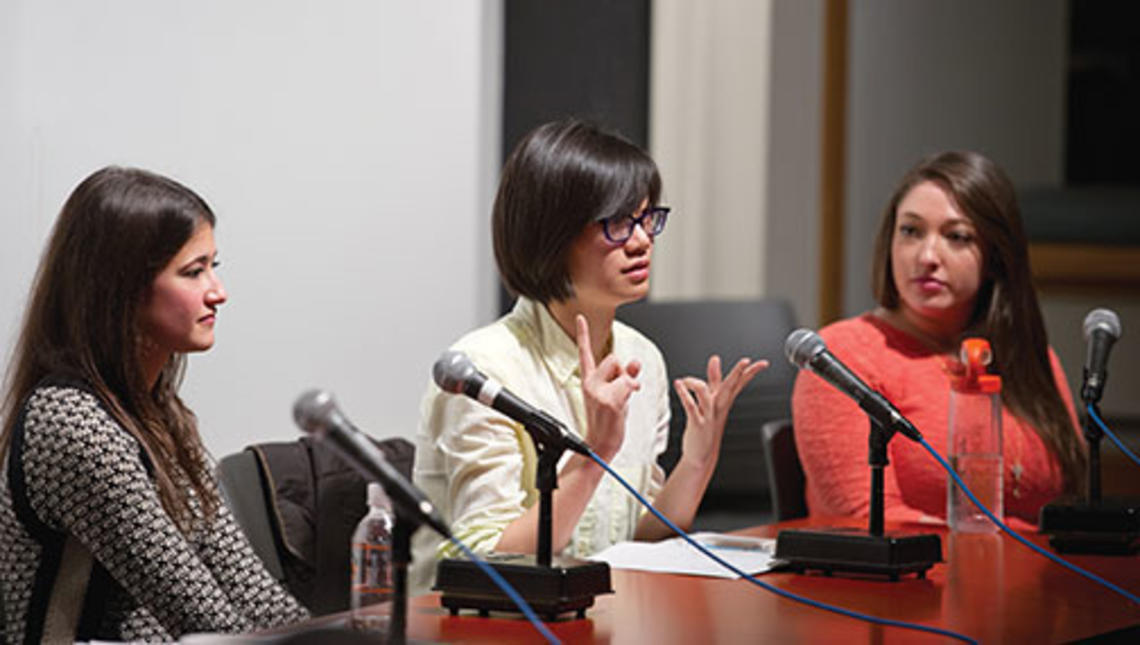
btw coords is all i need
(951, 261)
(111, 525)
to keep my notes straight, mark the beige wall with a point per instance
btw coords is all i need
(709, 98)
(734, 123)
(321, 134)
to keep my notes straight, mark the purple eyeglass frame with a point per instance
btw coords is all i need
(663, 211)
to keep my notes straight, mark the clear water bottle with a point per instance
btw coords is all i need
(372, 563)
(975, 449)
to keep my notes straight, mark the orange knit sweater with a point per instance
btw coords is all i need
(831, 431)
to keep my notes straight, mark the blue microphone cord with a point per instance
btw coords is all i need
(763, 585)
(1091, 576)
(1095, 417)
(509, 590)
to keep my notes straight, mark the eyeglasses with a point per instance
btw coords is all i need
(619, 228)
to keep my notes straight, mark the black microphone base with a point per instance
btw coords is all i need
(850, 550)
(567, 585)
(1106, 527)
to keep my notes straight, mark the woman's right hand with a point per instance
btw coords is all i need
(606, 388)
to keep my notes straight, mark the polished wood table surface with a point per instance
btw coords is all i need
(990, 588)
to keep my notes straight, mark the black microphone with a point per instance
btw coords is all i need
(1102, 329)
(317, 413)
(455, 373)
(806, 350)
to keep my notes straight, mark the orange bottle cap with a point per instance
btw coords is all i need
(968, 374)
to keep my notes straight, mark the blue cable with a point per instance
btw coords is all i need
(1012, 534)
(776, 590)
(1095, 417)
(509, 590)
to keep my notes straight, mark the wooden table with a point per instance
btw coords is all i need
(990, 588)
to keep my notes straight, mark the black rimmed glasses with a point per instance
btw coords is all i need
(619, 228)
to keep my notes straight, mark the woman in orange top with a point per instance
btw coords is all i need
(951, 261)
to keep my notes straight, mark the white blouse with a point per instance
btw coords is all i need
(478, 466)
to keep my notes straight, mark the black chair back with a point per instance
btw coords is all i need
(687, 333)
(785, 473)
(244, 491)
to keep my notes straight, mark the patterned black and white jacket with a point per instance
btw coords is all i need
(88, 552)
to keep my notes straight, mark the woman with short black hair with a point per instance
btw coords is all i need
(574, 225)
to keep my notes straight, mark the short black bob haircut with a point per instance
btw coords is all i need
(560, 178)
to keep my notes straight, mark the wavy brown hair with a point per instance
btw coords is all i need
(116, 232)
(1006, 311)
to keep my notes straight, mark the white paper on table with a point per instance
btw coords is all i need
(751, 554)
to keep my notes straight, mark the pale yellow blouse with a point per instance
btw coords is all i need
(478, 466)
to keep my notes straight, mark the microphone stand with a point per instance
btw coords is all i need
(877, 459)
(401, 558)
(852, 550)
(1092, 525)
(546, 480)
(1093, 435)
(551, 586)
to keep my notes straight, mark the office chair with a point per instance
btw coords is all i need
(244, 491)
(687, 333)
(785, 473)
(311, 500)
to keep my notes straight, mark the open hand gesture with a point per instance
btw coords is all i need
(706, 406)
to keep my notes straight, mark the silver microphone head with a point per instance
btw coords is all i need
(802, 345)
(1105, 319)
(452, 371)
(312, 410)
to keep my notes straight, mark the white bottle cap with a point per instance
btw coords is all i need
(377, 498)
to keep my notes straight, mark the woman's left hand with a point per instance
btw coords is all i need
(706, 406)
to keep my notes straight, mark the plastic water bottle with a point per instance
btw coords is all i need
(372, 563)
(975, 449)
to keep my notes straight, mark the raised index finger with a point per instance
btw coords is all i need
(585, 351)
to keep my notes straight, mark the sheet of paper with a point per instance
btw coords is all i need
(750, 554)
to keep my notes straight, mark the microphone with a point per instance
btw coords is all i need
(806, 350)
(317, 413)
(1102, 329)
(455, 373)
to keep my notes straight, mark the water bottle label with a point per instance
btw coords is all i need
(370, 574)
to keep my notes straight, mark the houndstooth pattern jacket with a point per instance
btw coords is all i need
(88, 552)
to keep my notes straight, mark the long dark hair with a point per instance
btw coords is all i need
(116, 232)
(1006, 312)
